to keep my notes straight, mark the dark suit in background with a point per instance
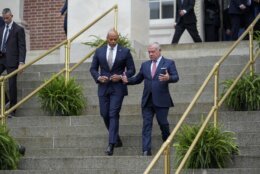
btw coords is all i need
(111, 90)
(14, 55)
(2, 22)
(186, 21)
(156, 97)
(211, 20)
(241, 15)
(64, 11)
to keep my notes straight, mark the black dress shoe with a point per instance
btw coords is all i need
(147, 153)
(21, 149)
(110, 150)
(12, 114)
(118, 143)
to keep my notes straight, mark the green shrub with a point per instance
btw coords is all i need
(245, 95)
(9, 153)
(59, 99)
(213, 150)
(122, 40)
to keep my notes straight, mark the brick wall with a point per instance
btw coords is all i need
(44, 23)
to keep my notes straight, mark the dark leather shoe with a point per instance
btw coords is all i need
(110, 150)
(147, 153)
(118, 143)
(12, 114)
(21, 149)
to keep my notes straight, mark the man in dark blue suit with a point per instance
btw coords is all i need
(185, 19)
(109, 63)
(157, 73)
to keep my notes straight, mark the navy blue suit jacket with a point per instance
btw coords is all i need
(123, 63)
(160, 90)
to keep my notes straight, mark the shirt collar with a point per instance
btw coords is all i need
(10, 25)
(109, 47)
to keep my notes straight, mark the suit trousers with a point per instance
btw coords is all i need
(12, 84)
(110, 106)
(191, 28)
(161, 115)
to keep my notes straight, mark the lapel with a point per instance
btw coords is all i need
(105, 57)
(11, 31)
(160, 65)
(118, 55)
(1, 34)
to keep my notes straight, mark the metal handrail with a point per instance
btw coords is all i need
(65, 70)
(214, 72)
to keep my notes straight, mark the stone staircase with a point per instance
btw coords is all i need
(76, 144)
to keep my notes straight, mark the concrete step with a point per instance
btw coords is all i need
(32, 110)
(129, 141)
(182, 70)
(134, 171)
(114, 162)
(227, 117)
(123, 151)
(87, 130)
(93, 162)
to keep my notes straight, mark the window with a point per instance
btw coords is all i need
(161, 9)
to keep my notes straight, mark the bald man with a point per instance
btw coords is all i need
(109, 63)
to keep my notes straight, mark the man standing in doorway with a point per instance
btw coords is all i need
(185, 19)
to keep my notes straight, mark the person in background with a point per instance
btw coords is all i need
(64, 12)
(185, 19)
(156, 73)
(227, 34)
(211, 20)
(109, 63)
(12, 52)
(2, 22)
(241, 14)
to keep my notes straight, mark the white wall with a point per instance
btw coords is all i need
(133, 18)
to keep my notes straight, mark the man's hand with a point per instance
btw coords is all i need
(182, 12)
(20, 66)
(164, 77)
(124, 79)
(103, 79)
(116, 78)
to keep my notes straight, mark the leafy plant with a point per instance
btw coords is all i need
(246, 93)
(9, 153)
(257, 38)
(122, 40)
(213, 150)
(59, 98)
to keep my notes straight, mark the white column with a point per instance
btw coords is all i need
(133, 18)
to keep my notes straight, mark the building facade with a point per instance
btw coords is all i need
(44, 23)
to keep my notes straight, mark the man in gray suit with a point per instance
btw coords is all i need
(12, 52)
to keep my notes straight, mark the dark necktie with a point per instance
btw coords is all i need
(3, 48)
(153, 68)
(110, 58)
